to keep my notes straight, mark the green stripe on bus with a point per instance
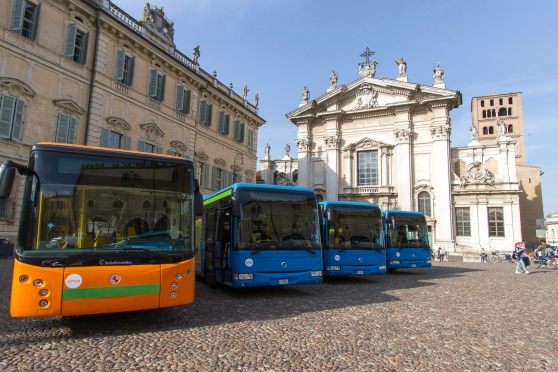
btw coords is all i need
(116, 291)
(217, 197)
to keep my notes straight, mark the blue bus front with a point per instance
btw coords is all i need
(352, 237)
(406, 239)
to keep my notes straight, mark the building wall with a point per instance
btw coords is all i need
(529, 179)
(35, 70)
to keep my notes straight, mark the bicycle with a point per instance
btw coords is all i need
(549, 264)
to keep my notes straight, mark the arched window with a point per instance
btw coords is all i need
(510, 128)
(489, 114)
(424, 203)
(483, 113)
(502, 112)
(509, 111)
(493, 113)
(484, 130)
(491, 130)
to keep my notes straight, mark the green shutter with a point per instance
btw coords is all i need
(127, 142)
(214, 177)
(159, 150)
(242, 126)
(153, 83)
(203, 111)
(120, 62)
(105, 133)
(131, 65)
(209, 114)
(188, 101)
(84, 49)
(236, 130)
(231, 178)
(17, 16)
(221, 125)
(141, 145)
(206, 175)
(227, 123)
(225, 178)
(72, 130)
(170, 152)
(180, 98)
(18, 120)
(62, 128)
(71, 40)
(6, 115)
(37, 15)
(162, 88)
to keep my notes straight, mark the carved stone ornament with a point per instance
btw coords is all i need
(69, 107)
(332, 141)
(402, 134)
(154, 18)
(477, 173)
(303, 144)
(119, 124)
(367, 97)
(16, 88)
(220, 162)
(283, 179)
(152, 131)
(201, 156)
(441, 131)
(179, 147)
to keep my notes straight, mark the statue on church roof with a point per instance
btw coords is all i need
(438, 74)
(245, 92)
(256, 100)
(333, 78)
(287, 149)
(402, 65)
(305, 94)
(474, 133)
(196, 54)
(502, 130)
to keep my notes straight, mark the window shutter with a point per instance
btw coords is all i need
(159, 150)
(196, 175)
(162, 88)
(242, 125)
(250, 138)
(120, 60)
(62, 128)
(239, 179)
(203, 111)
(127, 143)
(231, 178)
(71, 40)
(236, 130)
(84, 50)
(71, 130)
(188, 102)
(209, 114)
(105, 133)
(153, 83)
(206, 176)
(225, 178)
(18, 120)
(35, 30)
(141, 145)
(131, 64)
(214, 177)
(6, 115)
(221, 125)
(17, 16)
(227, 123)
(170, 152)
(180, 98)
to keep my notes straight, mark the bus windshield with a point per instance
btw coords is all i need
(408, 233)
(89, 202)
(278, 220)
(353, 229)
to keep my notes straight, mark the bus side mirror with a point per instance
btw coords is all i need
(7, 175)
(198, 199)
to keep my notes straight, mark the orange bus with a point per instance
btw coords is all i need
(102, 230)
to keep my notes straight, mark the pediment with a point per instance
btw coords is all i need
(16, 87)
(69, 106)
(178, 146)
(366, 144)
(119, 123)
(152, 130)
(200, 155)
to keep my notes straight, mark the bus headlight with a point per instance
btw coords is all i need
(43, 303)
(333, 268)
(43, 292)
(317, 273)
(179, 276)
(395, 262)
(23, 278)
(244, 276)
(381, 267)
(37, 282)
(173, 294)
(174, 285)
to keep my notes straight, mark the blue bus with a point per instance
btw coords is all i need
(406, 239)
(259, 235)
(352, 238)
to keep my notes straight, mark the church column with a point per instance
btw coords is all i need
(304, 144)
(403, 139)
(332, 167)
(440, 130)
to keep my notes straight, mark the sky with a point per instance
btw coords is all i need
(276, 47)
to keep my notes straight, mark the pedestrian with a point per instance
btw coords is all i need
(520, 253)
(441, 253)
(483, 256)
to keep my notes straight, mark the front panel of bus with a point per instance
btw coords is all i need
(352, 237)
(406, 240)
(103, 231)
(266, 235)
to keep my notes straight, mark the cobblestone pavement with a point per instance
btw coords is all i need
(453, 316)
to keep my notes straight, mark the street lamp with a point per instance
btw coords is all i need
(241, 165)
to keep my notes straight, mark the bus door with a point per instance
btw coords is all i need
(222, 248)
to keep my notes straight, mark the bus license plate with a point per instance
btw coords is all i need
(283, 281)
(360, 272)
(414, 265)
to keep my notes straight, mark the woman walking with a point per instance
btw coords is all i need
(520, 252)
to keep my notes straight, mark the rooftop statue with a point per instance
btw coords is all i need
(402, 65)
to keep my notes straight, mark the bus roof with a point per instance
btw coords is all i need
(400, 213)
(327, 203)
(65, 147)
(254, 186)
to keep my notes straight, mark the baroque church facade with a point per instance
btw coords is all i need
(387, 141)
